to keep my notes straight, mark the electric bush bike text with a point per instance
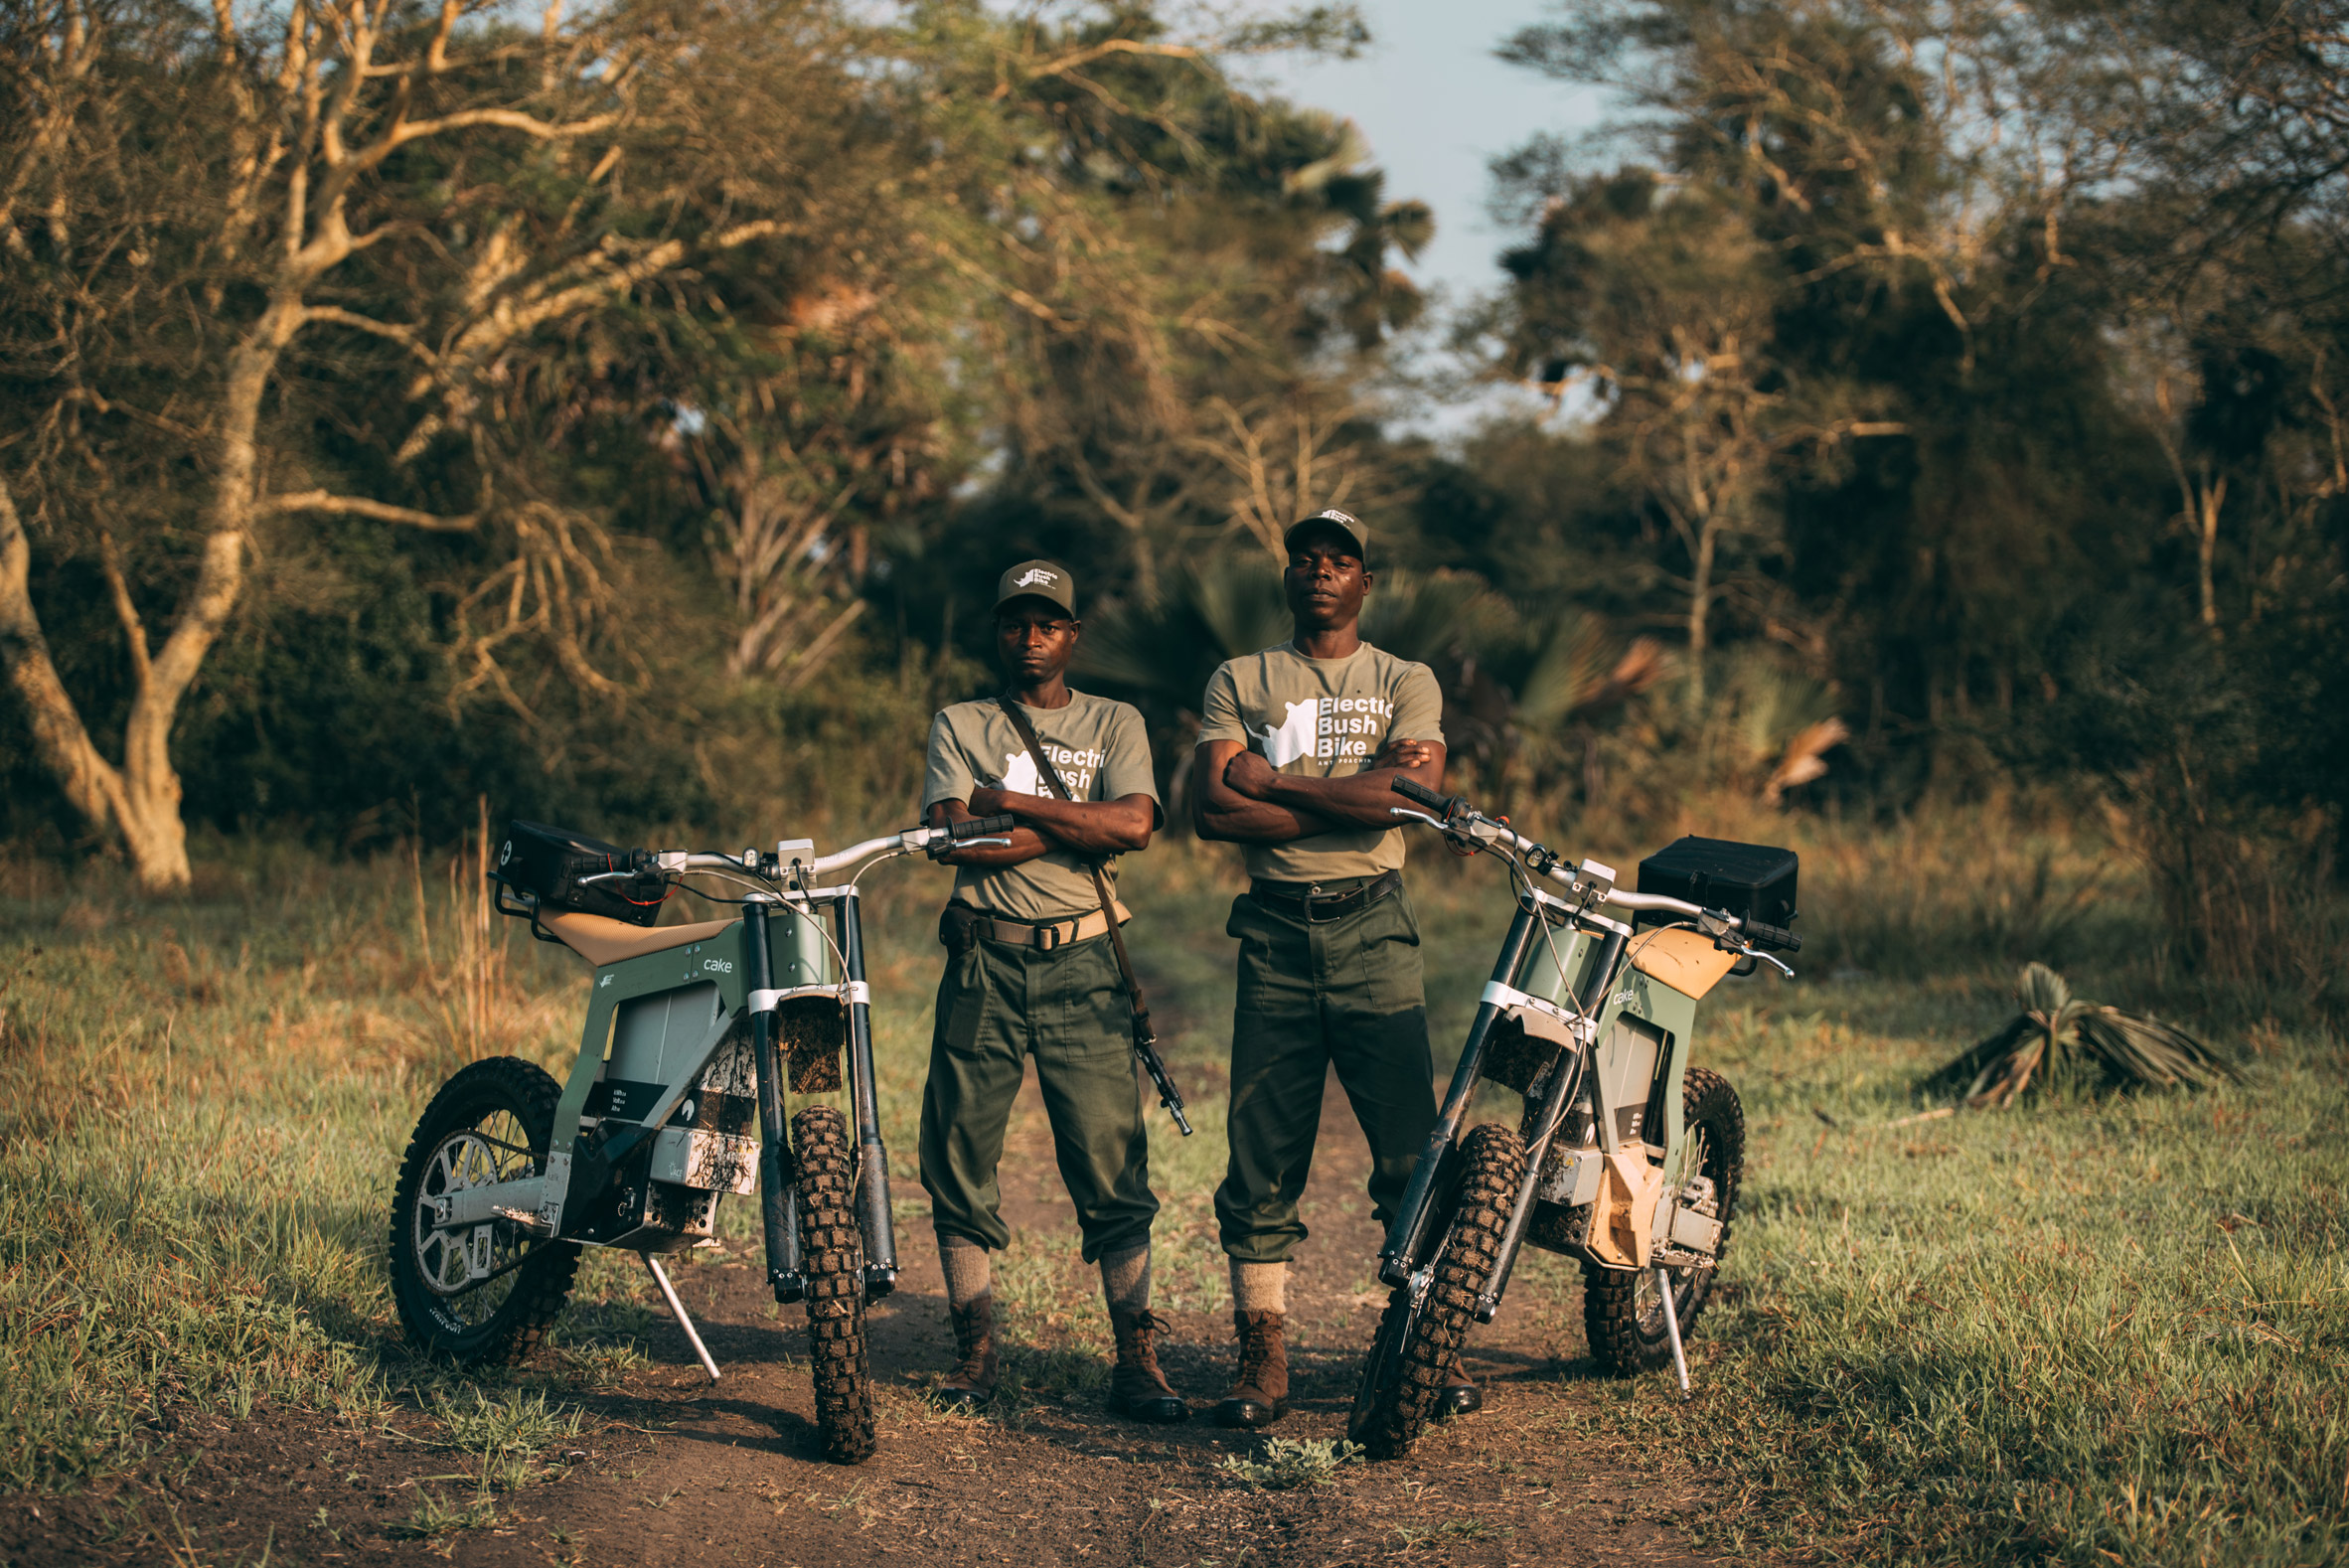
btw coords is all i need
(1625, 1158)
(693, 1035)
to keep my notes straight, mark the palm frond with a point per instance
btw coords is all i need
(1430, 616)
(2062, 1040)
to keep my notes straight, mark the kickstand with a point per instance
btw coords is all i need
(1664, 1286)
(676, 1309)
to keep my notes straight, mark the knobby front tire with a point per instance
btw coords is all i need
(1621, 1312)
(833, 1263)
(1400, 1386)
(492, 1122)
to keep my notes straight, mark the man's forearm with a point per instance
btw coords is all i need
(1089, 826)
(1358, 800)
(1245, 820)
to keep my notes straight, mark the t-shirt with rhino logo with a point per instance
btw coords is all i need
(1101, 752)
(1324, 717)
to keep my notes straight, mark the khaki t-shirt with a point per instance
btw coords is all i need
(1102, 753)
(1324, 718)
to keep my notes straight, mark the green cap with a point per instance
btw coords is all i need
(1344, 522)
(1040, 578)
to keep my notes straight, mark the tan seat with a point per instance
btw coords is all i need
(1685, 960)
(601, 940)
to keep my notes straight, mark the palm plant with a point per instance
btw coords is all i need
(2060, 1041)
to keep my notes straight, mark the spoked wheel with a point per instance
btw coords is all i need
(1425, 1322)
(1621, 1309)
(833, 1261)
(484, 1293)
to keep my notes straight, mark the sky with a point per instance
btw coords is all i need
(1434, 106)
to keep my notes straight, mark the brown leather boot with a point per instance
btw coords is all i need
(972, 1382)
(1260, 1392)
(1137, 1388)
(1458, 1396)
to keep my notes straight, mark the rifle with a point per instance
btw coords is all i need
(1146, 1038)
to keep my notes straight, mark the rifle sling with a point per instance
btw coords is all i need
(1117, 938)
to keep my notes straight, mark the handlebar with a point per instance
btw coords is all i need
(1411, 789)
(771, 868)
(1459, 819)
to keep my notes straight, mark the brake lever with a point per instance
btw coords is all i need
(939, 852)
(1755, 952)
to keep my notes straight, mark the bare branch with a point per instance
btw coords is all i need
(404, 336)
(360, 506)
(134, 632)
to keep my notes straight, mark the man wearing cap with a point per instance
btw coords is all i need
(1297, 754)
(1031, 974)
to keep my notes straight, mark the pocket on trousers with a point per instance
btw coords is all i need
(962, 1004)
(1390, 954)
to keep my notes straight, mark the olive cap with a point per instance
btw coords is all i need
(1344, 522)
(1040, 578)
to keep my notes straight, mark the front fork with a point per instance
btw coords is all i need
(1411, 1234)
(778, 1190)
(1407, 1237)
(778, 1183)
(872, 1160)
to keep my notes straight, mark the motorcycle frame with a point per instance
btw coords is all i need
(775, 954)
(1588, 1005)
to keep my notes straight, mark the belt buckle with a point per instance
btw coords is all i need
(1313, 890)
(1048, 937)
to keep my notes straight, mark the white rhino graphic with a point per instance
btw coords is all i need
(1019, 775)
(1294, 737)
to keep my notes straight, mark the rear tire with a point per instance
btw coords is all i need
(1622, 1311)
(492, 1122)
(1404, 1374)
(833, 1263)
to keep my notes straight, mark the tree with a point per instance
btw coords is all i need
(213, 233)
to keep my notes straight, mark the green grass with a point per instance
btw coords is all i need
(2091, 1331)
(1292, 1464)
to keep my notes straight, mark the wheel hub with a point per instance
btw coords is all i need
(452, 1262)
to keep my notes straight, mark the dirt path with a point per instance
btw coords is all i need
(670, 1469)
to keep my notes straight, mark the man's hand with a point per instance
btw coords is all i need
(988, 801)
(1405, 754)
(1250, 774)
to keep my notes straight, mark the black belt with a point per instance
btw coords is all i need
(1307, 902)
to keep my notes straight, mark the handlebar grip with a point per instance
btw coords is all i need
(1777, 938)
(1412, 790)
(981, 827)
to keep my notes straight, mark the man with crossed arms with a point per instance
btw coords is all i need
(1030, 976)
(1297, 754)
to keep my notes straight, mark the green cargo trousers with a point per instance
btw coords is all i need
(997, 1006)
(1345, 992)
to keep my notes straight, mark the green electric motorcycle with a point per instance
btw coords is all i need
(1625, 1158)
(693, 1033)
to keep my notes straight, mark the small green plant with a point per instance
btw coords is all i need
(602, 1366)
(436, 1515)
(2061, 1041)
(515, 1424)
(1292, 1464)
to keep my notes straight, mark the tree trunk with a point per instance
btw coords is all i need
(1701, 605)
(141, 799)
(2212, 496)
(89, 782)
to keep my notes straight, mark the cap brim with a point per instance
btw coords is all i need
(1304, 525)
(1053, 599)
